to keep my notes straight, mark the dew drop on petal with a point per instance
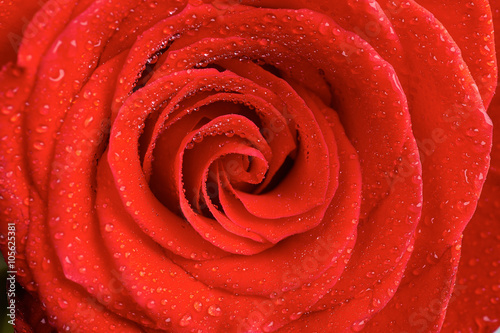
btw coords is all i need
(324, 28)
(198, 306)
(42, 129)
(7, 109)
(358, 326)
(63, 303)
(185, 320)
(269, 327)
(88, 121)
(295, 316)
(45, 264)
(151, 304)
(58, 77)
(214, 310)
(38, 145)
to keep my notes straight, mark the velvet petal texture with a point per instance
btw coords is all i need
(251, 166)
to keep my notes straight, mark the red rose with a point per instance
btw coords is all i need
(250, 166)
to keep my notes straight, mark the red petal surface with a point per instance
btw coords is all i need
(474, 304)
(251, 166)
(15, 198)
(14, 17)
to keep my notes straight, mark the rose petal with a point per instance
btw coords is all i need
(144, 16)
(383, 243)
(289, 260)
(474, 303)
(15, 186)
(462, 134)
(13, 16)
(140, 257)
(475, 298)
(68, 305)
(471, 26)
(218, 146)
(58, 82)
(72, 221)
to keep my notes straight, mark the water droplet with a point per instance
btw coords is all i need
(7, 109)
(58, 77)
(269, 18)
(432, 258)
(358, 326)
(479, 291)
(295, 316)
(185, 320)
(376, 302)
(42, 129)
(56, 47)
(88, 121)
(11, 93)
(263, 42)
(45, 264)
(108, 227)
(198, 306)
(324, 28)
(15, 117)
(38, 145)
(269, 327)
(63, 303)
(44, 110)
(198, 138)
(214, 310)
(472, 132)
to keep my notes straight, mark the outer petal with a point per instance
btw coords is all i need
(14, 16)
(445, 220)
(471, 27)
(69, 307)
(31, 316)
(14, 187)
(433, 265)
(475, 305)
